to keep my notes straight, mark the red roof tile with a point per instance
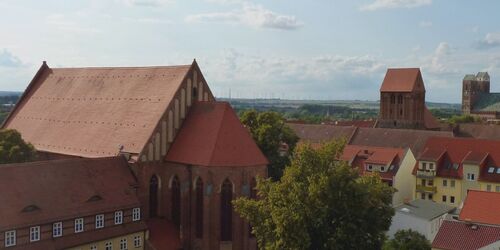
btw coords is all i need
(359, 155)
(464, 150)
(62, 189)
(212, 135)
(481, 207)
(401, 80)
(454, 235)
(89, 112)
(317, 133)
(430, 122)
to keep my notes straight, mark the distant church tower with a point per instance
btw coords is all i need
(472, 88)
(402, 100)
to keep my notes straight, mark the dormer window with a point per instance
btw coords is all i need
(491, 170)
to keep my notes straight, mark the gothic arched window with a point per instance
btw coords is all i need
(199, 208)
(226, 211)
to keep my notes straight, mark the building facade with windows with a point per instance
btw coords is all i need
(189, 154)
(402, 101)
(70, 204)
(393, 165)
(449, 167)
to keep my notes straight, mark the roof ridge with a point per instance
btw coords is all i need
(218, 132)
(125, 67)
(30, 163)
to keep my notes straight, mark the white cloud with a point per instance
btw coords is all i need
(394, 4)
(439, 62)
(63, 23)
(146, 3)
(250, 15)
(490, 40)
(425, 24)
(8, 60)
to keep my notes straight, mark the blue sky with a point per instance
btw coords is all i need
(307, 49)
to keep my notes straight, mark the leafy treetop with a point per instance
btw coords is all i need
(13, 148)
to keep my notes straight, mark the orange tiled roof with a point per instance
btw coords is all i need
(212, 135)
(46, 191)
(481, 207)
(401, 80)
(456, 151)
(455, 235)
(89, 112)
(359, 155)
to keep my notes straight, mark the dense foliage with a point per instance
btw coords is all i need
(319, 203)
(407, 240)
(13, 148)
(456, 119)
(269, 131)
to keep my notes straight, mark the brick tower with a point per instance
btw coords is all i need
(473, 86)
(402, 99)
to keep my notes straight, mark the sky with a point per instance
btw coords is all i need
(292, 49)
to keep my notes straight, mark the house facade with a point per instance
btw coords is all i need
(423, 216)
(189, 154)
(449, 167)
(71, 204)
(393, 165)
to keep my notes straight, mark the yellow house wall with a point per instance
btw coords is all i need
(404, 181)
(448, 190)
(495, 186)
(116, 242)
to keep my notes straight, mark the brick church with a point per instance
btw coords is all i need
(402, 101)
(186, 155)
(477, 99)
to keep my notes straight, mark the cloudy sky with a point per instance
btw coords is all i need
(307, 49)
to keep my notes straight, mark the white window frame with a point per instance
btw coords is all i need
(108, 245)
(57, 229)
(34, 233)
(10, 238)
(137, 241)
(471, 177)
(118, 217)
(123, 244)
(99, 221)
(93, 247)
(79, 225)
(136, 214)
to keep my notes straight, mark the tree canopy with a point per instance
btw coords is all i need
(319, 203)
(407, 240)
(269, 131)
(13, 148)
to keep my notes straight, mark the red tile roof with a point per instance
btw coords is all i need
(430, 122)
(212, 135)
(481, 207)
(401, 80)
(359, 155)
(62, 189)
(457, 151)
(89, 112)
(317, 133)
(460, 236)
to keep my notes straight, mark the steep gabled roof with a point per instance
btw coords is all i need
(357, 156)
(46, 191)
(318, 133)
(402, 80)
(90, 112)
(455, 235)
(212, 135)
(481, 207)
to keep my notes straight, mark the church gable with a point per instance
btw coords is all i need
(193, 88)
(96, 112)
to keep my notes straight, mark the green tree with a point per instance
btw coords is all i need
(319, 203)
(407, 240)
(269, 131)
(13, 148)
